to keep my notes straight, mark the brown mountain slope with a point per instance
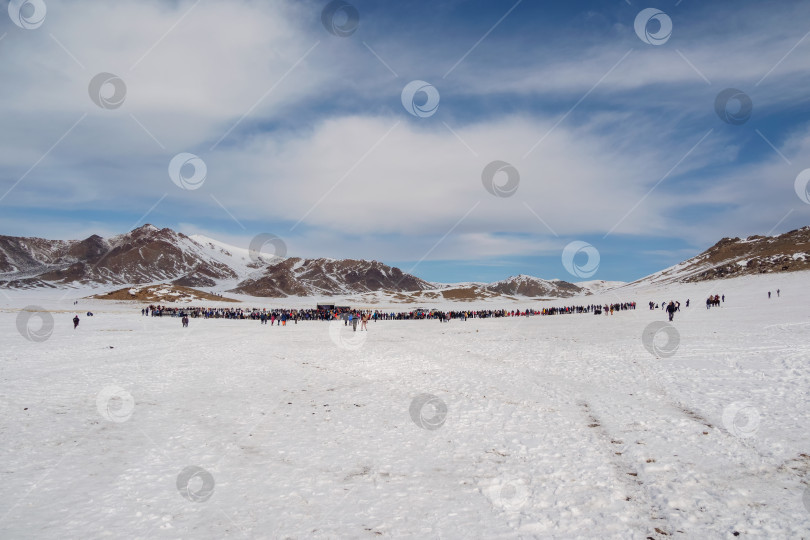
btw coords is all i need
(732, 257)
(148, 255)
(302, 277)
(535, 287)
(144, 255)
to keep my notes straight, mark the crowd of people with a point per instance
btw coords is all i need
(596, 309)
(353, 317)
(263, 315)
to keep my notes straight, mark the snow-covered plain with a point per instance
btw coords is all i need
(561, 426)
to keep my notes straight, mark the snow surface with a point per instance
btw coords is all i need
(555, 427)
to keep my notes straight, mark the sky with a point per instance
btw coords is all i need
(461, 140)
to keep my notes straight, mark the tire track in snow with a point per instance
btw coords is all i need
(626, 474)
(564, 392)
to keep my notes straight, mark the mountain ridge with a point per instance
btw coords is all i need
(734, 256)
(149, 254)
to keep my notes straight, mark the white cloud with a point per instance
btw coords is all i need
(392, 175)
(325, 138)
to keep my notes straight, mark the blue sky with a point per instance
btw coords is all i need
(303, 133)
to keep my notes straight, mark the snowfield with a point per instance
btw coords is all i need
(542, 427)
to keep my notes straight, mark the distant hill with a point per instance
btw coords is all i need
(732, 257)
(148, 255)
(144, 255)
(599, 285)
(310, 277)
(534, 287)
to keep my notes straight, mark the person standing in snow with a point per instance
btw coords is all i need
(769, 294)
(354, 322)
(75, 322)
(777, 293)
(671, 310)
(364, 323)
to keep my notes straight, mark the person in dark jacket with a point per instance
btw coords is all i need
(671, 309)
(75, 322)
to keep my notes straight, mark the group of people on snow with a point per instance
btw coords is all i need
(674, 306)
(356, 317)
(714, 301)
(350, 319)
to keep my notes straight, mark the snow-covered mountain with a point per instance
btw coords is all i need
(148, 255)
(307, 277)
(535, 287)
(732, 257)
(599, 285)
(151, 255)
